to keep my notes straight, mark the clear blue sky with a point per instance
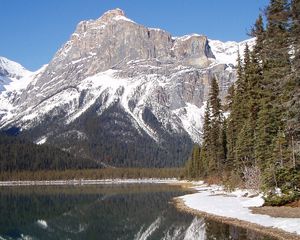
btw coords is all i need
(31, 31)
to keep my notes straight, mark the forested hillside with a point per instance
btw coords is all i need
(17, 154)
(259, 142)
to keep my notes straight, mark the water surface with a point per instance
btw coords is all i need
(108, 212)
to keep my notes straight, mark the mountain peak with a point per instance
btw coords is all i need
(112, 14)
(10, 68)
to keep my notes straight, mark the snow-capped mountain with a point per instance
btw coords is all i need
(226, 52)
(10, 72)
(14, 79)
(122, 93)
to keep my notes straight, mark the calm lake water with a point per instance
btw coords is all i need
(108, 212)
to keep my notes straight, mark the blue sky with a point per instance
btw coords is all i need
(31, 31)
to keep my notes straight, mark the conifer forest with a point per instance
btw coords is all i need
(255, 135)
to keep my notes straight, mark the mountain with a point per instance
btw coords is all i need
(122, 93)
(10, 73)
(226, 52)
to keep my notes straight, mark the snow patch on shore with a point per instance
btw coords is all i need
(214, 200)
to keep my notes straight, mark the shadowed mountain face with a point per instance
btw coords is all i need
(122, 93)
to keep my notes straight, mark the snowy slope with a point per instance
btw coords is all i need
(227, 52)
(115, 89)
(10, 72)
(16, 81)
(12, 68)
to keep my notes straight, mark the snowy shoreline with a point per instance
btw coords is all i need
(216, 202)
(88, 182)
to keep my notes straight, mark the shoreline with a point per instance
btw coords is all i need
(277, 233)
(267, 231)
(79, 182)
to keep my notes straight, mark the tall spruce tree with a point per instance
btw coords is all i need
(193, 167)
(238, 114)
(276, 68)
(293, 118)
(230, 128)
(258, 32)
(216, 132)
(206, 143)
(244, 143)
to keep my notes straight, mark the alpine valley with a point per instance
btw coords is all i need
(119, 93)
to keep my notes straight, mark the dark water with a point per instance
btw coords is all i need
(108, 212)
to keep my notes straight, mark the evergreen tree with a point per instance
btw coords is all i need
(244, 146)
(258, 32)
(246, 105)
(276, 68)
(230, 128)
(193, 167)
(240, 109)
(293, 105)
(206, 143)
(217, 153)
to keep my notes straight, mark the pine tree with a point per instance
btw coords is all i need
(229, 98)
(244, 146)
(258, 32)
(206, 143)
(197, 161)
(235, 118)
(216, 131)
(230, 128)
(281, 154)
(193, 167)
(276, 68)
(215, 102)
(293, 105)
(224, 144)
(240, 110)
(246, 105)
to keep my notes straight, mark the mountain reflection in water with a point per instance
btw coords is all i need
(133, 212)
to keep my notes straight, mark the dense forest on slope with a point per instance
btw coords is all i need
(17, 154)
(259, 142)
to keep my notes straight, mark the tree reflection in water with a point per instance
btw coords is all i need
(133, 212)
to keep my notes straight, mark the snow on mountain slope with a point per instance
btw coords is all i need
(12, 89)
(227, 52)
(10, 72)
(12, 68)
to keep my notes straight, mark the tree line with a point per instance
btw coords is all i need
(103, 173)
(259, 141)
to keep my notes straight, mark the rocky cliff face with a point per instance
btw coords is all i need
(121, 93)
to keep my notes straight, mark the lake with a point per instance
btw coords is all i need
(108, 212)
